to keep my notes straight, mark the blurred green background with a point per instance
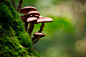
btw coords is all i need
(66, 35)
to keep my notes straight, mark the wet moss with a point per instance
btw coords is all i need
(14, 40)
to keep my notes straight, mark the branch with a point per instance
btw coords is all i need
(13, 4)
(20, 3)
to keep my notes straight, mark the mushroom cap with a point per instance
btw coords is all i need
(44, 19)
(30, 19)
(26, 9)
(34, 13)
(39, 34)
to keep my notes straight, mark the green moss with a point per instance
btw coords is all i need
(14, 40)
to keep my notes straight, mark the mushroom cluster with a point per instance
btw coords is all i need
(32, 16)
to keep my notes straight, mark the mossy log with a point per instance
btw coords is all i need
(14, 40)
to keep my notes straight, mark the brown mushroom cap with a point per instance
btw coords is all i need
(30, 19)
(39, 34)
(44, 19)
(34, 13)
(26, 9)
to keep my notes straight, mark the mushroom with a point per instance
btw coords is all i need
(37, 36)
(33, 16)
(27, 9)
(31, 20)
(43, 20)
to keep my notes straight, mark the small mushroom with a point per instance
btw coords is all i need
(31, 20)
(27, 9)
(30, 12)
(43, 20)
(37, 36)
(34, 14)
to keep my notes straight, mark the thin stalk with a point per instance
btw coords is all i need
(31, 28)
(26, 23)
(35, 39)
(41, 27)
(20, 3)
(13, 4)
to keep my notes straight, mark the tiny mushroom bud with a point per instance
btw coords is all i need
(37, 36)
(43, 20)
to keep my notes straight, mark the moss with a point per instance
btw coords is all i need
(14, 40)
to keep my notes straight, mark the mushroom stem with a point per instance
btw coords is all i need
(13, 4)
(26, 25)
(41, 27)
(35, 39)
(20, 3)
(31, 28)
